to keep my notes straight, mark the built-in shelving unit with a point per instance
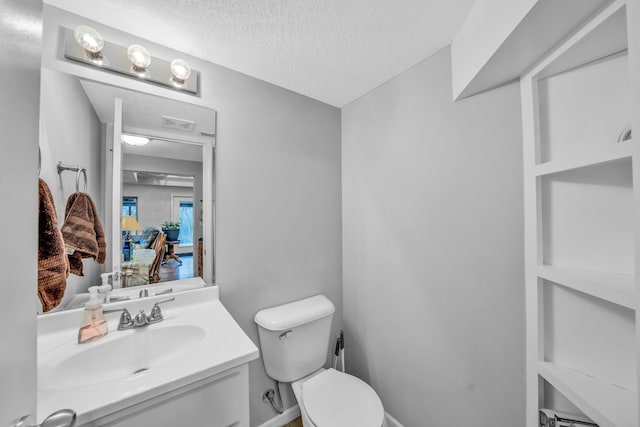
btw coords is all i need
(581, 205)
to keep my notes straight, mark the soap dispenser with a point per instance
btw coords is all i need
(93, 325)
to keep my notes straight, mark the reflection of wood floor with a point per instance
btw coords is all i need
(174, 271)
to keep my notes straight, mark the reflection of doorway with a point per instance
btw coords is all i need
(182, 212)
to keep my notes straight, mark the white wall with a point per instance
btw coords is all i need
(433, 287)
(71, 132)
(277, 195)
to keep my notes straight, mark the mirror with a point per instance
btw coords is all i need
(136, 188)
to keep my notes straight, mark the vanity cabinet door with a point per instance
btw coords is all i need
(220, 401)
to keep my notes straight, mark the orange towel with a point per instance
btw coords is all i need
(82, 232)
(53, 268)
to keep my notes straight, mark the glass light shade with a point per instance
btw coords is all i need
(90, 40)
(180, 70)
(139, 57)
(135, 140)
(129, 223)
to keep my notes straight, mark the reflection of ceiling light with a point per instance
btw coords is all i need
(135, 140)
(139, 57)
(90, 40)
(180, 70)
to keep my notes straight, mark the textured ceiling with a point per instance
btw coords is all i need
(332, 50)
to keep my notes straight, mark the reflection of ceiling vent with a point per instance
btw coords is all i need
(179, 124)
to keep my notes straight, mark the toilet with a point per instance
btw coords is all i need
(294, 340)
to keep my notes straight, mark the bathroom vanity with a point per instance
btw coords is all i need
(188, 369)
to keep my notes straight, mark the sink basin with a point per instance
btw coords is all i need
(136, 351)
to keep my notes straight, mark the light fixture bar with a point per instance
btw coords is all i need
(114, 58)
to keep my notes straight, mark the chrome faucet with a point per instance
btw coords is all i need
(141, 319)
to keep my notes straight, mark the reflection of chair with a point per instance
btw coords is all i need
(158, 246)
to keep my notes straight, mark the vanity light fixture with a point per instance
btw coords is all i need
(138, 141)
(86, 46)
(180, 71)
(139, 57)
(90, 40)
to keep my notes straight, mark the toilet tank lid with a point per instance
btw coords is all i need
(295, 313)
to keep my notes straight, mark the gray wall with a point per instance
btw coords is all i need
(433, 287)
(278, 227)
(19, 66)
(278, 209)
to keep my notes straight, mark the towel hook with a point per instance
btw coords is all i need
(78, 170)
(84, 173)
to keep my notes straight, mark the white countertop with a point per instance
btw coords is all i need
(223, 346)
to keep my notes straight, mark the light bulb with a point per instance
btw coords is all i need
(139, 57)
(135, 140)
(180, 70)
(90, 40)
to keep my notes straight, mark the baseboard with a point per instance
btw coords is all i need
(287, 416)
(392, 422)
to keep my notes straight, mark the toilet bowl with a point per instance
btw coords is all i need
(335, 399)
(294, 339)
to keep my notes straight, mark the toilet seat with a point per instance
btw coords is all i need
(336, 399)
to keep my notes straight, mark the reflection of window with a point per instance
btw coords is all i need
(186, 223)
(130, 207)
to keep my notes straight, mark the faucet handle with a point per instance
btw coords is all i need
(141, 319)
(125, 318)
(156, 313)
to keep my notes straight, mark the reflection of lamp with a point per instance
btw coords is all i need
(129, 224)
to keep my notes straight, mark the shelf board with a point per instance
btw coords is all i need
(607, 404)
(613, 287)
(619, 151)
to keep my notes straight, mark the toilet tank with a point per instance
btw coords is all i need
(294, 337)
